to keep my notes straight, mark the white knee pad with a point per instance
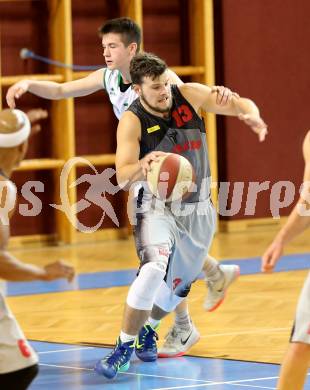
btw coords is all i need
(165, 298)
(143, 290)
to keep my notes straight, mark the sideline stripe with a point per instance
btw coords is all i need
(120, 278)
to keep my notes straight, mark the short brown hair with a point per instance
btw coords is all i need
(126, 27)
(146, 65)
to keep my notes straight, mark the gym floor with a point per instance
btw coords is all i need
(242, 343)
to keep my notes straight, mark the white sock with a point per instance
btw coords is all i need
(183, 320)
(125, 338)
(154, 323)
(213, 272)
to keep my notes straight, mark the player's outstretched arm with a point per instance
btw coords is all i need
(174, 78)
(223, 94)
(55, 91)
(35, 116)
(15, 270)
(298, 220)
(201, 97)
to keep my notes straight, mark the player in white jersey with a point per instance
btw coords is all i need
(18, 360)
(297, 359)
(121, 40)
(121, 95)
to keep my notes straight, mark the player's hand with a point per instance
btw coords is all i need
(16, 91)
(34, 116)
(256, 123)
(271, 256)
(57, 270)
(223, 95)
(146, 161)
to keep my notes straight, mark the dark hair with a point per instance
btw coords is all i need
(146, 65)
(129, 30)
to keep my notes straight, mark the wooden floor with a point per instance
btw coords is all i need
(253, 324)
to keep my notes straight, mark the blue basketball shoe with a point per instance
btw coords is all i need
(146, 346)
(116, 361)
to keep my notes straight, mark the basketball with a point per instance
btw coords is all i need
(171, 177)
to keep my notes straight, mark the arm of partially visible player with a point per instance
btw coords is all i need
(174, 78)
(223, 94)
(129, 168)
(10, 267)
(298, 220)
(54, 91)
(201, 97)
(13, 269)
(35, 115)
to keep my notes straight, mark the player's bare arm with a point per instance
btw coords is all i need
(223, 94)
(298, 221)
(128, 166)
(10, 267)
(174, 78)
(54, 91)
(36, 115)
(201, 97)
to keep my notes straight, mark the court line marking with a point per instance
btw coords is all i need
(128, 373)
(205, 384)
(234, 383)
(166, 377)
(257, 387)
(245, 332)
(72, 368)
(65, 350)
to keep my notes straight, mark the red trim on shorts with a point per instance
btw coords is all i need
(24, 348)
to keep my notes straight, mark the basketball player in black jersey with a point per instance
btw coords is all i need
(121, 40)
(171, 246)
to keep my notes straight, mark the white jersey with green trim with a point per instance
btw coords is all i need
(120, 100)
